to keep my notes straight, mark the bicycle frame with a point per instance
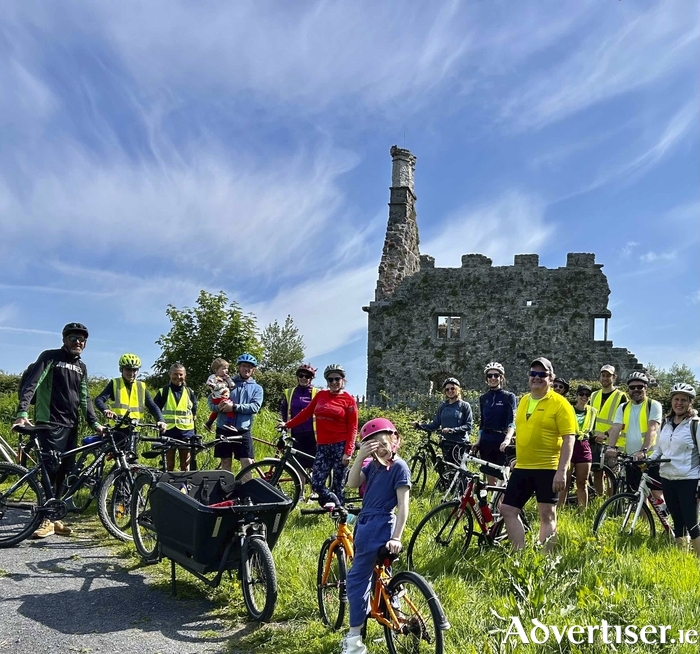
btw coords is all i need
(380, 607)
(461, 471)
(644, 492)
(343, 539)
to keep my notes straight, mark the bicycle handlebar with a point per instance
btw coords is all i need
(338, 510)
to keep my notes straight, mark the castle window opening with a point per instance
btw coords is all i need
(600, 329)
(528, 303)
(449, 327)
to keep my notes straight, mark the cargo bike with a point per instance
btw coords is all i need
(209, 523)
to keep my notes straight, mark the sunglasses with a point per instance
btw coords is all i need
(583, 394)
(128, 369)
(334, 380)
(75, 338)
(559, 386)
(493, 375)
(450, 388)
(637, 388)
(542, 374)
(304, 375)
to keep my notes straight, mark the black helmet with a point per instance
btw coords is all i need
(75, 328)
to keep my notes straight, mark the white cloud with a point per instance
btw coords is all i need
(624, 50)
(651, 256)
(629, 246)
(512, 224)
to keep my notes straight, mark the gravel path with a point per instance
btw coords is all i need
(74, 595)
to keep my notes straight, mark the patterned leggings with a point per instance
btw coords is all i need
(329, 457)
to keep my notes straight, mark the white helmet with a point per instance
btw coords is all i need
(494, 365)
(334, 367)
(686, 389)
(638, 376)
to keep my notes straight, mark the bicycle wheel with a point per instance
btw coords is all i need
(114, 503)
(19, 501)
(442, 535)
(331, 591)
(142, 529)
(278, 473)
(89, 485)
(420, 618)
(419, 473)
(609, 483)
(259, 580)
(616, 517)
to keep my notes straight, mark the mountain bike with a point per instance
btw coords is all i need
(631, 513)
(405, 604)
(27, 496)
(429, 456)
(446, 531)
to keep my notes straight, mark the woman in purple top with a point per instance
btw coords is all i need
(296, 399)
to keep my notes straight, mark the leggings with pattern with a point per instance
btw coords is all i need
(329, 458)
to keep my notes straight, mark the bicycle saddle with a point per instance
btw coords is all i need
(29, 430)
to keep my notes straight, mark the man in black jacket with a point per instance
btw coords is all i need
(58, 383)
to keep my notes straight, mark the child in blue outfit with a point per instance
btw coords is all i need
(388, 481)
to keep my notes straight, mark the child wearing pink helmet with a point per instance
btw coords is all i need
(388, 481)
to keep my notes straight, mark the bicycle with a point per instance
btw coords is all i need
(289, 472)
(142, 528)
(609, 485)
(27, 496)
(437, 537)
(628, 513)
(404, 604)
(429, 455)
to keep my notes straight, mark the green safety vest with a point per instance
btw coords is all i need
(178, 414)
(588, 421)
(606, 413)
(132, 400)
(288, 392)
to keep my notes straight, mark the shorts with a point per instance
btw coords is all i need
(242, 449)
(452, 451)
(524, 483)
(582, 452)
(597, 454)
(489, 451)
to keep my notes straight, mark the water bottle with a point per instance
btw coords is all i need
(484, 506)
(660, 504)
(351, 518)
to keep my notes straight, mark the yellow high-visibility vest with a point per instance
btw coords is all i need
(588, 421)
(288, 392)
(643, 421)
(131, 399)
(178, 414)
(606, 413)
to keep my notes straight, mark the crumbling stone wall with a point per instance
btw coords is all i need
(508, 313)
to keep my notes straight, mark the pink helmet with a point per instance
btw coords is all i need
(375, 426)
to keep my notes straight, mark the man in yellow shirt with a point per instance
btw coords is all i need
(545, 428)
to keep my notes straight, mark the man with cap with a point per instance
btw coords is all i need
(57, 381)
(545, 424)
(561, 386)
(634, 428)
(605, 401)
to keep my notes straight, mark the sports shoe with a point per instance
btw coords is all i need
(352, 644)
(61, 528)
(45, 529)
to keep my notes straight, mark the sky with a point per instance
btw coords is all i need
(150, 150)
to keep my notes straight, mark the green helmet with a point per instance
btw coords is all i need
(129, 361)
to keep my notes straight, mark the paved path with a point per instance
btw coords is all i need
(73, 595)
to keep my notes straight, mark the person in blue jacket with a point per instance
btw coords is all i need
(245, 400)
(453, 420)
(497, 409)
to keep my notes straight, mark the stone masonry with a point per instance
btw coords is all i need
(428, 323)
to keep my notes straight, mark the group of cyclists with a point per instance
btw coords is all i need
(553, 439)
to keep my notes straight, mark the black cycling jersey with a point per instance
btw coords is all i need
(59, 381)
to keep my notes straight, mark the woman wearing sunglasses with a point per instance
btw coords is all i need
(294, 401)
(453, 420)
(335, 413)
(497, 410)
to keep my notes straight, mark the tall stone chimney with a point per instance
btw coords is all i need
(401, 256)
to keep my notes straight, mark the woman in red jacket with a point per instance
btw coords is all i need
(335, 412)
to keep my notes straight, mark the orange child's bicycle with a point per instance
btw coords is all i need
(404, 604)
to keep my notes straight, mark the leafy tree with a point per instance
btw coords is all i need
(676, 373)
(283, 347)
(213, 328)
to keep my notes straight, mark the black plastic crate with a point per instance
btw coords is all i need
(195, 534)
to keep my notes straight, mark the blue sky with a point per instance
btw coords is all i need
(149, 150)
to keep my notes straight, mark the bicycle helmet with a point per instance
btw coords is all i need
(247, 358)
(375, 426)
(494, 365)
(75, 328)
(638, 376)
(305, 367)
(685, 389)
(453, 381)
(129, 361)
(334, 367)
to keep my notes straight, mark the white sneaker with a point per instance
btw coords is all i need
(352, 644)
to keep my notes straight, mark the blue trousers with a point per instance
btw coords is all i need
(371, 533)
(329, 457)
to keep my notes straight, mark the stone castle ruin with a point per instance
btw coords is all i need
(428, 323)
